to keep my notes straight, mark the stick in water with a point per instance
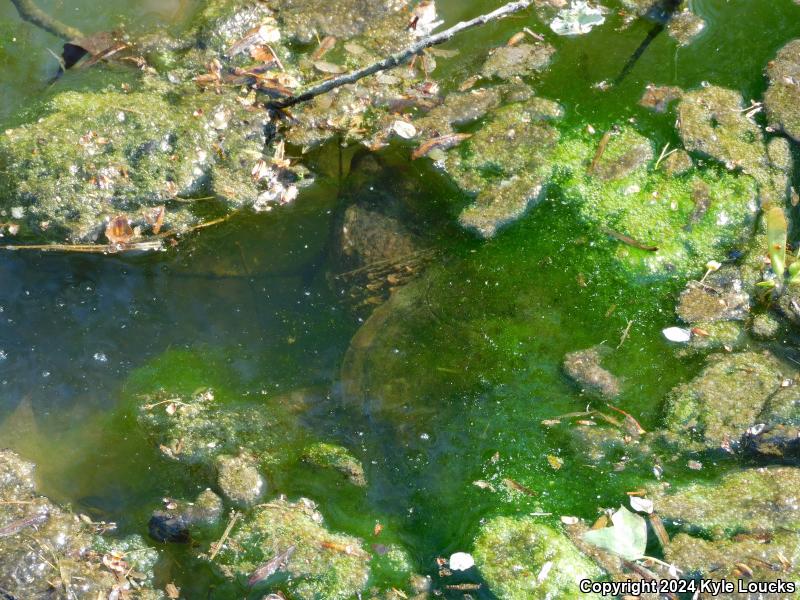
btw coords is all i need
(28, 11)
(401, 57)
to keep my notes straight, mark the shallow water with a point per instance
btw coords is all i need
(253, 299)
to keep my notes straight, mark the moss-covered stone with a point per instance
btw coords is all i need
(512, 61)
(719, 297)
(713, 121)
(506, 164)
(624, 154)
(746, 501)
(584, 368)
(747, 558)
(776, 432)
(512, 554)
(322, 565)
(782, 98)
(239, 480)
(716, 335)
(48, 552)
(764, 326)
(685, 26)
(717, 407)
(331, 456)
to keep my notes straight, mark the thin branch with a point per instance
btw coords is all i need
(401, 57)
(35, 15)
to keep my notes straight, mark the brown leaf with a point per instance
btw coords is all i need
(173, 592)
(118, 230)
(325, 46)
(328, 67)
(263, 54)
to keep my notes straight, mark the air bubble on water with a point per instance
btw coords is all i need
(100, 357)
(3, 355)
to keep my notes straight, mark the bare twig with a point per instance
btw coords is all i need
(35, 15)
(217, 546)
(401, 57)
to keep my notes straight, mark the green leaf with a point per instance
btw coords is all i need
(776, 239)
(627, 537)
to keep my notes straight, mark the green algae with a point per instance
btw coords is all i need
(513, 556)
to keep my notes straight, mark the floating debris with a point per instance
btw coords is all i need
(577, 19)
(461, 561)
(679, 335)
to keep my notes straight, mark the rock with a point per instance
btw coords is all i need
(625, 153)
(745, 501)
(177, 524)
(782, 98)
(507, 164)
(677, 163)
(459, 108)
(29, 522)
(716, 335)
(323, 564)
(712, 121)
(583, 367)
(330, 456)
(717, 560)
(720, 297)
(685, 26)
(525, 560)
(659, 97)
(369, 236)
(380, 21)
(764, 327)
(520, 60)
(775, 433)
(715, 409)
(196, 428)
(239, 480)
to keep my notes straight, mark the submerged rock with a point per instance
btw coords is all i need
(715, 409)
(330, 456)
(179, 520)
(782, 98)
(746, 501)
(765, 327)
(720, 297)
(321, 565)
(583, 367)
(48, 552)
(525, 560)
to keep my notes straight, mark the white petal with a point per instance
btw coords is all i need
(461, 561)
(677, 334)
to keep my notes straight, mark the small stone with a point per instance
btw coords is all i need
(765, 327)
(584, 368)
(239, 480)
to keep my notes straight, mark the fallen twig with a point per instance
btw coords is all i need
(217, 546)
(625, 239)
(31, 13)
(401, 57)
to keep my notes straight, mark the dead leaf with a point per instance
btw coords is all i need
(555, 462)
(442, 142)
(328, 67)
(325, 46)
(173, 592)
(118, 230)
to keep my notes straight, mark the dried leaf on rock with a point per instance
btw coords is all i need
(118, 230)
(627, 537)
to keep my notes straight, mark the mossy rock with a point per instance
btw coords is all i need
(782, 98)
(322, 565)
(745, 501)
(511, 554)
(331, 456)
(91, 156)
(715, 409)
(722, 559)
(75, 551)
